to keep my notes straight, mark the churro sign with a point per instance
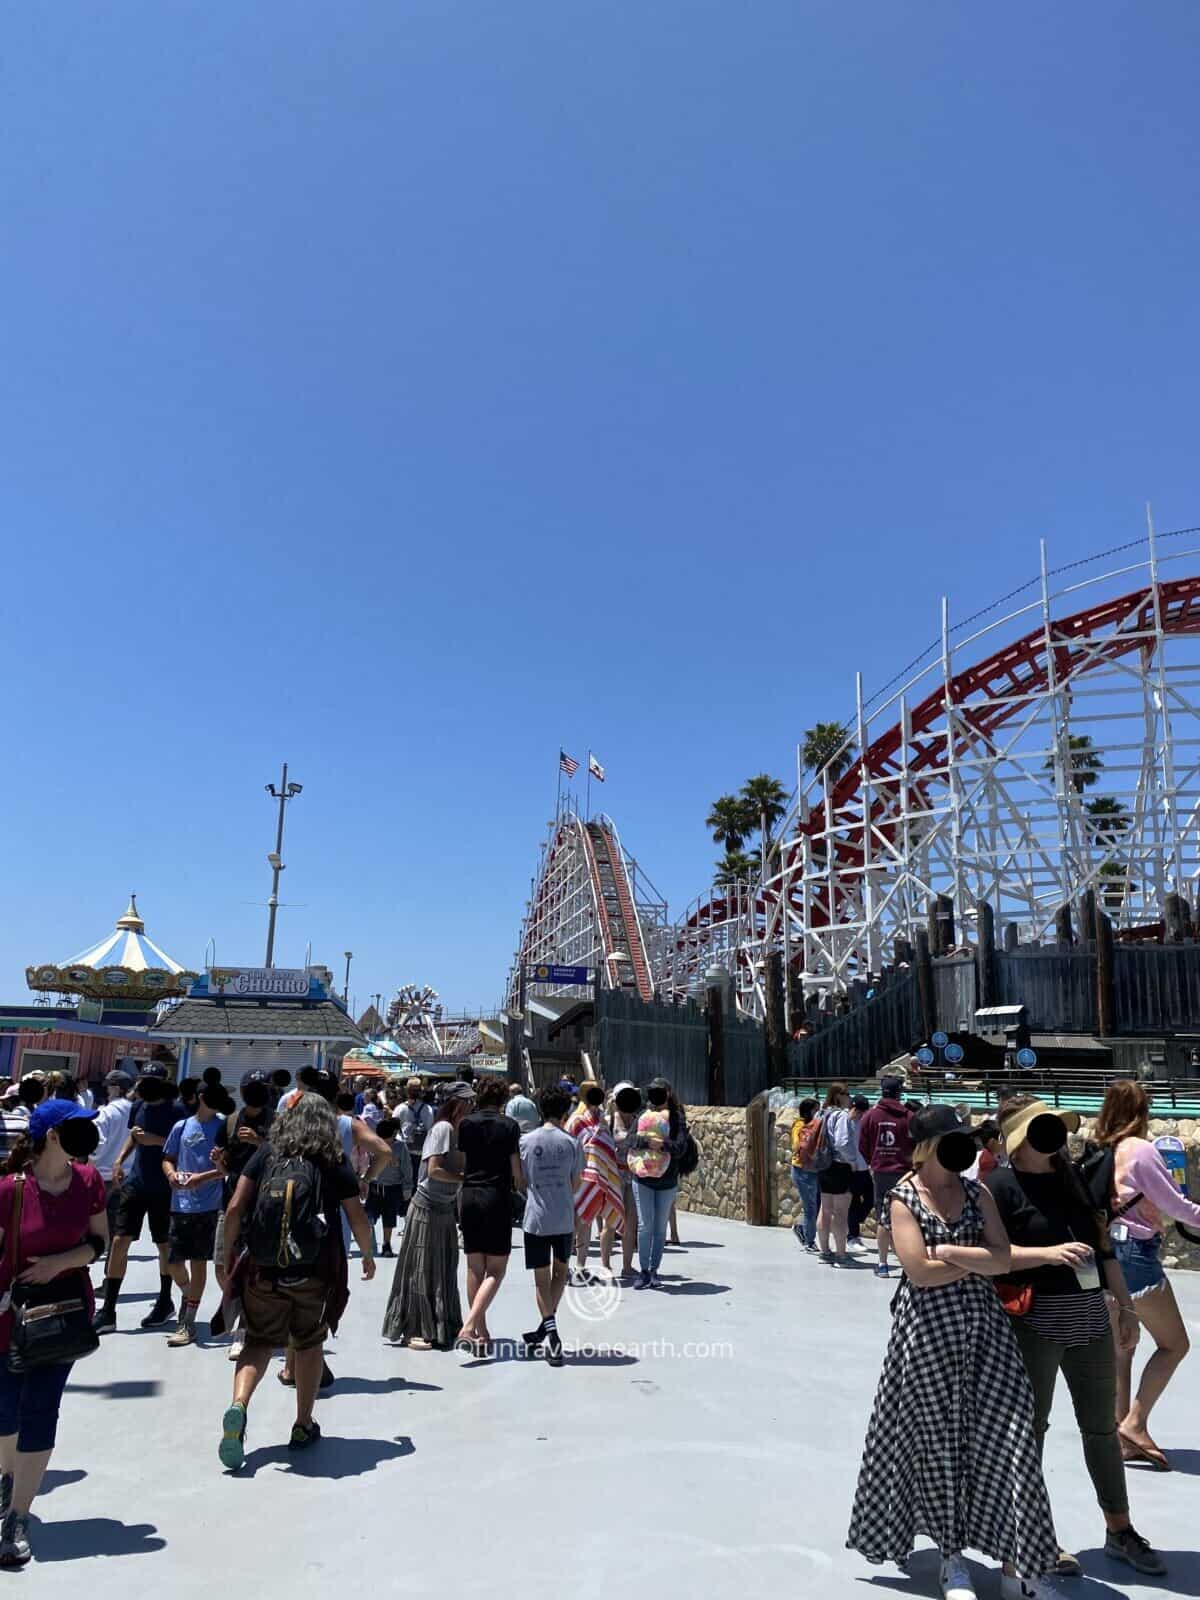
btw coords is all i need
(259, 983)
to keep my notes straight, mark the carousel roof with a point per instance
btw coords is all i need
(127, 946)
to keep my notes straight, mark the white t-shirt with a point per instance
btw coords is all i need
(438, 1142)
(112, 1124)
(551, 1160)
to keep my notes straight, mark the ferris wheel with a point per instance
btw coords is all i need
(416, 1009)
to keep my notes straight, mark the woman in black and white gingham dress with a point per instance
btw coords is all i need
(950, 1450)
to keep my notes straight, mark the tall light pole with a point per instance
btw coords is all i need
(349, 954)
(285, 792)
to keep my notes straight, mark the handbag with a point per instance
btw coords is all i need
(1016, 1298)
(50, 1322)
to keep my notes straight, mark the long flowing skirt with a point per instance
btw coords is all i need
(424, 1302)
(950, 1449)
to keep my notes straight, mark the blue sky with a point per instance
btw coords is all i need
(403, 390)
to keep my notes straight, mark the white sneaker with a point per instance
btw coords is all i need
(955, 1579)
(1028, 1589)
(857, 1247)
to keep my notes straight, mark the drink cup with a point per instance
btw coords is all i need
(1087, 1276)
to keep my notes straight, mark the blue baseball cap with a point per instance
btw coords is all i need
(52, 1112)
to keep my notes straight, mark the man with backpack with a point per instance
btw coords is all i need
(414, 1118)
(805, 1132)
(292, 1274)
(141, 1193)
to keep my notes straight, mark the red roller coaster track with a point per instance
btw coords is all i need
(966, 711)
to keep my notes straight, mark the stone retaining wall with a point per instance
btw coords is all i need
(718, 1187)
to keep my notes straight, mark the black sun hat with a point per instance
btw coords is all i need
(931, 1122)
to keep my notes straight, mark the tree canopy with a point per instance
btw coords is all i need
(827, 744)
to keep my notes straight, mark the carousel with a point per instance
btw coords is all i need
(124, 971)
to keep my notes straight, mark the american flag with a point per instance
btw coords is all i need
(594, 767)
(567, 764)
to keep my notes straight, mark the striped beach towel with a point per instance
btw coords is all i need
(599, 1193)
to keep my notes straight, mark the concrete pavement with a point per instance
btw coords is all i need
(706, 1442)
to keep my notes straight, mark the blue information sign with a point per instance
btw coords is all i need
(954, 1054)
(940, 1040)
(551, 974)
(925, 1056)
(1026, 1057)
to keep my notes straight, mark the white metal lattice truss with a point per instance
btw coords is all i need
(1020, 772)
(590, 906)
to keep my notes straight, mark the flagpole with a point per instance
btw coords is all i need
(588, 802)
(558, 796)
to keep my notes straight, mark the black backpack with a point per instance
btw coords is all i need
(689, 1158)
(415, 1131)
(287, 1228)
(1097, 1172)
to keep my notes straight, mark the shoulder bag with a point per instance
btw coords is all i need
(50, 1322)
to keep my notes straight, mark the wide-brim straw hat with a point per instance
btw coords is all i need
(1016, 1128)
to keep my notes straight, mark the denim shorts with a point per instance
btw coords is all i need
(1141, 1262)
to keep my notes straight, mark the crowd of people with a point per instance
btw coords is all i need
(1020, 1263)
(273, 1190)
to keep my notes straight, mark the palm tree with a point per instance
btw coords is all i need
(827, 745)
(730, 820)
(767, 799)
(735, 864)
(1116, 884)
(1083, 762)
(1108, 819)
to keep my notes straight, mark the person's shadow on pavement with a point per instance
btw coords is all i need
(1181, 1577)
(330, 1457)
(85, 1537)
(920, 1577)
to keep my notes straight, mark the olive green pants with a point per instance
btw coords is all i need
(1091, 1374)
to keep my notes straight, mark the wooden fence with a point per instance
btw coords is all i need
(638, 1041)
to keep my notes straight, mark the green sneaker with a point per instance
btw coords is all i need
(232, 1449)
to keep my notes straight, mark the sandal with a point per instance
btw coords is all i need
(286, 1380)
(1131, 1450)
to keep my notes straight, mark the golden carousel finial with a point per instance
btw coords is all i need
(131, 920)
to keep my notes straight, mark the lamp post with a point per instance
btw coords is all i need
(349, 954)
(285, 792)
